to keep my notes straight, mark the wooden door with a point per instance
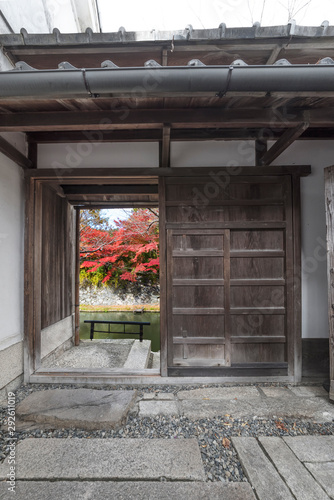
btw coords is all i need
(198, 298)
(232, 281)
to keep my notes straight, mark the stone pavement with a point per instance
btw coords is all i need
(277, 468)
(310, 402)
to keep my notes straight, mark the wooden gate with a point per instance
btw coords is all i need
(232, 283)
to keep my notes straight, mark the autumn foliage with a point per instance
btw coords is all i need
(128, 253)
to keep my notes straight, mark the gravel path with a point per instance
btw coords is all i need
(219, 457)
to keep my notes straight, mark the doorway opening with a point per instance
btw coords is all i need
(118, 279)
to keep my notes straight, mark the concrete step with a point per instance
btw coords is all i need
(139, 355)
(132, 490)
(106, 459)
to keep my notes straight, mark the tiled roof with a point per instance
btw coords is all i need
(187, 34)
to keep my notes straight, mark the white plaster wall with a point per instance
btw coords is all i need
(11, 252)
(212, 153)
(318, 154)
(94, 155)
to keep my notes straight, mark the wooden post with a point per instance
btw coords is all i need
(163, 278)
(29, 352)
(329, 200)
(77, 279)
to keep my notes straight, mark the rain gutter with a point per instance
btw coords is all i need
(158, 81)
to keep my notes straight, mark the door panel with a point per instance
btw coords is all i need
(196, 299)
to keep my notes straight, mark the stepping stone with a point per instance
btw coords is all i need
(144, 490)
(139, 355)
(156, 407)
(297, 477)
(220, 393)
(107, 459)
(260, 471)
(82, 408)
(312, 448)
(324, 474)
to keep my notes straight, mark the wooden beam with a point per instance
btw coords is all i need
(165, 150)
(287, 138)
(90, 175)
(155, 118)
(33, 153)
(110, 190)
(14, 154)
(154, 135)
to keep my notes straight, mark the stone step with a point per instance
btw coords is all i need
(132, 490)
(139, 355)
(156, 360)
(88, 409)
(106, 459)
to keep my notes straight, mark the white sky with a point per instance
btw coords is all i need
(146, 15)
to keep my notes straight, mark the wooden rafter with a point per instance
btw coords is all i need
(274, 54)
(288, 137)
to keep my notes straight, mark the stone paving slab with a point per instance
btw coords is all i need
(297, 477)
(312, 448)
(305, 391)
(260, 471)
(277, 392)
(83, 408)
(220, 393)
(305, 408)
(162, 396)
(69, 490)
(107, 459)
(153, 408)
(324, 474)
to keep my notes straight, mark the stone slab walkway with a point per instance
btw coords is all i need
(107, 459)
(265, 402)
(287, 469)
(134, 490)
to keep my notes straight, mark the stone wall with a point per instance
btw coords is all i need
(108, 296)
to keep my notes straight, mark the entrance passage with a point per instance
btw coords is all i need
(230, 276)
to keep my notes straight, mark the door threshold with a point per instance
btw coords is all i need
(139, 377)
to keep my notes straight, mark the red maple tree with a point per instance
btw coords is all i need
(129, 253)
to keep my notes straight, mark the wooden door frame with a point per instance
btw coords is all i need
(329, 200)
(32, 273)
